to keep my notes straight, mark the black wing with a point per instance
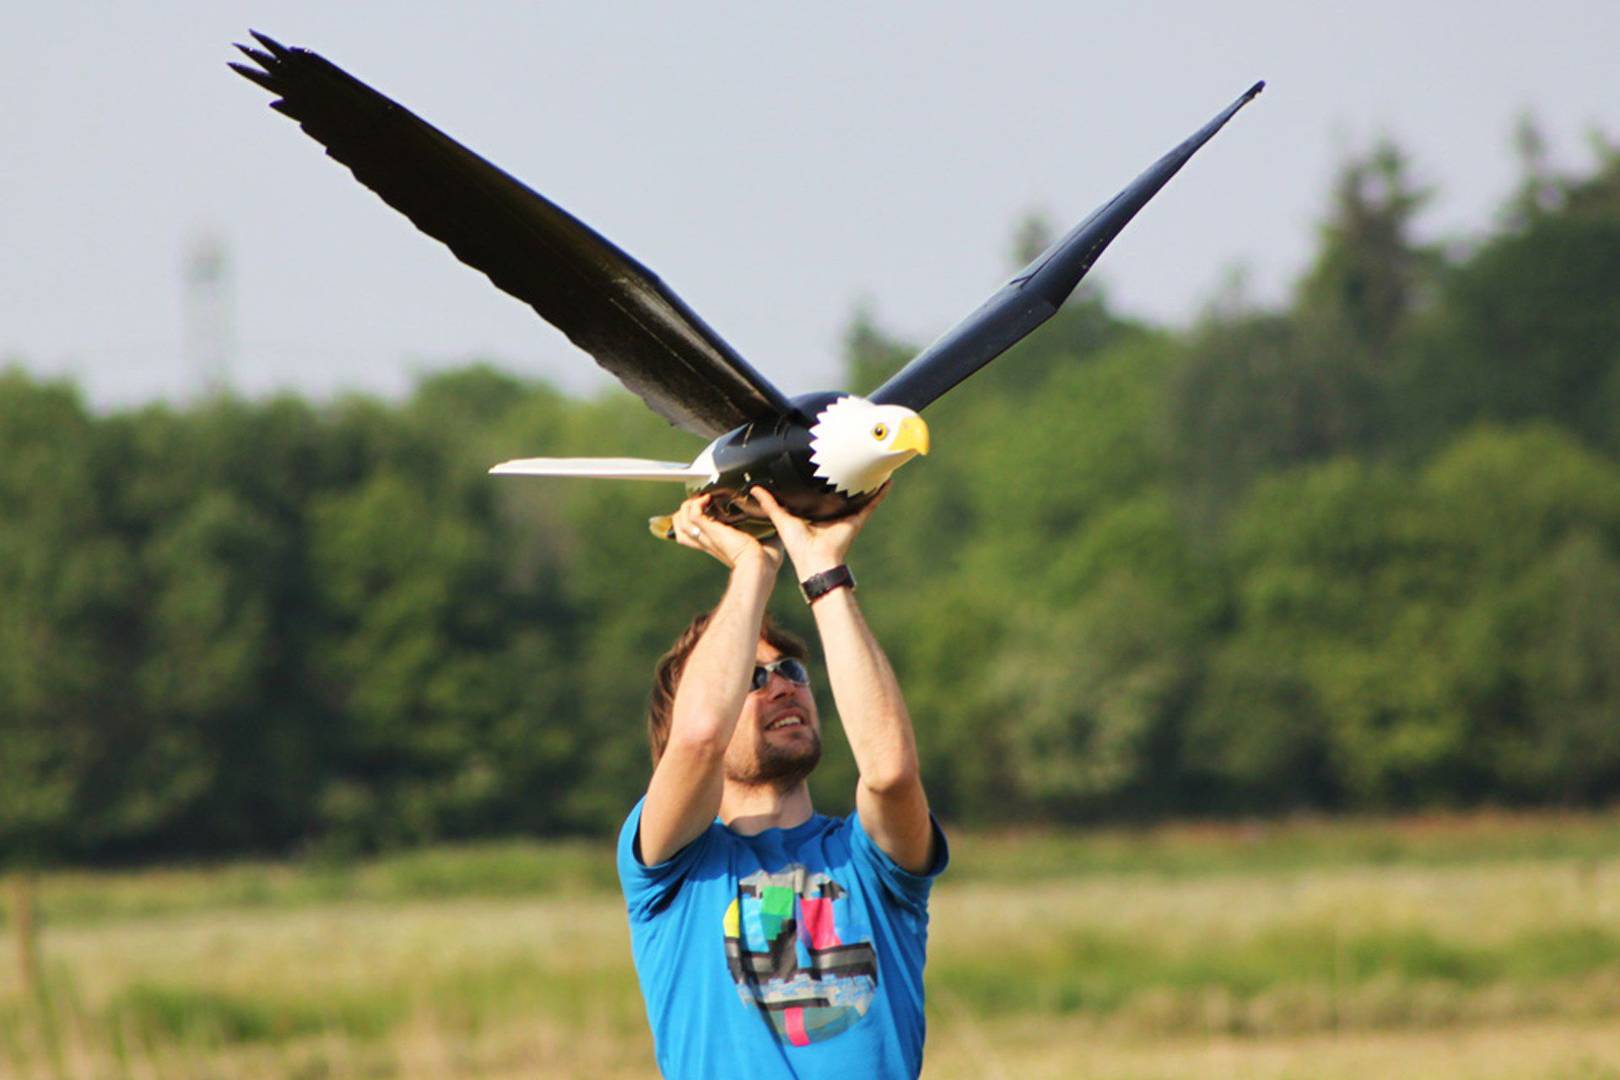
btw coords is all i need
(605, 301)
(1038, 290)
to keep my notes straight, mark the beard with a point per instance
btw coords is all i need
(781, 767)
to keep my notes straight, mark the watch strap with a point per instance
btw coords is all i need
(816, 586)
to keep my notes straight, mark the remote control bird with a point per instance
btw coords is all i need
(822, 455)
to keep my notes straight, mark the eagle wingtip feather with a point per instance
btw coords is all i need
(263, 59)
(253, 74)
(276, 48)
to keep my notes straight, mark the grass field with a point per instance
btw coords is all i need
(1479, 946)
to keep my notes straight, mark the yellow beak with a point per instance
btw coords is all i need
(913, 435)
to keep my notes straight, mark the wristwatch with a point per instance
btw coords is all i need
(816, 586)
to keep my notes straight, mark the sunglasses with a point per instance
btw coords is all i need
(789, 668)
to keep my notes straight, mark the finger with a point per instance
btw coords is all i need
(703, 529)
(698, 507)
(687, 532)
(767, 502)
(707, 516)
(713, 526)
(719, 539)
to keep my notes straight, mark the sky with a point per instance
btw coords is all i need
(776, 164)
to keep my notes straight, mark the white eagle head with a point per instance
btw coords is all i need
(855, 444)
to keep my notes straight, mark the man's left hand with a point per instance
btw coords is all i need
(815, 546)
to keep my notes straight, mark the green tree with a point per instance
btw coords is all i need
(1527, 326)
(1267, 390)
(71, 735)
(1369, 275)
(1096, 695)
(1354, 572)
(67, 734)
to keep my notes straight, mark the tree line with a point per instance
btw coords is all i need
(1357, 551)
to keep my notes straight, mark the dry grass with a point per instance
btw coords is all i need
(1037, 1050)
(1501, 964)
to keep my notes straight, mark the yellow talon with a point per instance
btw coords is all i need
(662, 527)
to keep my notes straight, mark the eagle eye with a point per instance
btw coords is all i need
(880, 432)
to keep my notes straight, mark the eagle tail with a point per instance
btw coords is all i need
(605, 468)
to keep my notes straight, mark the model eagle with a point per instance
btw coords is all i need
(822, 455)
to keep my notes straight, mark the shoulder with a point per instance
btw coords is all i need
(910, 891)
(650, 888)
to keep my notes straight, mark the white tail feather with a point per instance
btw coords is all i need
(607, 468)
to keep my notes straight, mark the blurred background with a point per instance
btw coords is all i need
(1259, 616)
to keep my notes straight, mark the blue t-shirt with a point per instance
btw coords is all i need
(794, 953)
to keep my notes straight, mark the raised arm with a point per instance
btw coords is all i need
(890, 796)
(684, 794)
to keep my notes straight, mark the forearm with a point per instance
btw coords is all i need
(866, 693)
(890, 796)
(716, 677)
(684, 794)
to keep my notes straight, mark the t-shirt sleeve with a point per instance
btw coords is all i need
(648, 889)
(908, 890)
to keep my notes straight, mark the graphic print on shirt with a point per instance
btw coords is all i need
(788, 947)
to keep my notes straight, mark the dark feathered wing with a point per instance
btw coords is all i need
(1038, 290)
(605, 301)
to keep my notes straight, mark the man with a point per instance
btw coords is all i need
(772, 941)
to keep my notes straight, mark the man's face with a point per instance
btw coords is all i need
(778, 737)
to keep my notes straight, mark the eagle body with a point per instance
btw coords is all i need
(776, 455)
(814, 460)
(822, 455)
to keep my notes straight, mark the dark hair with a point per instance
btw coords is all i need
(667, 675)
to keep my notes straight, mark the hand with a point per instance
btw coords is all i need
(815, 546)
(697, 530)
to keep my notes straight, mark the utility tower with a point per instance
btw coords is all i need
(210, 332)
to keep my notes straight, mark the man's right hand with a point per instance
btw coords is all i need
(814, 546)
(695, 529)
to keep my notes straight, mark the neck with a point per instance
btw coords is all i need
(751, 809)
